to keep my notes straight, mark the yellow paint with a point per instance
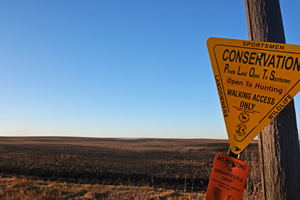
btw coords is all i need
(255, 81)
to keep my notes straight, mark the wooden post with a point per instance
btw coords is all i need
(278, 142)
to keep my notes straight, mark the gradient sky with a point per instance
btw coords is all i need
(122, 68)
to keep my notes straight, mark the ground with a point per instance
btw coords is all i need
(176, 164)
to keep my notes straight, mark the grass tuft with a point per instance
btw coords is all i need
(27, 189)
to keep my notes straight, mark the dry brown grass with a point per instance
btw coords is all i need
(181, 167)
(253, 189)
(175, 164)
(26, 189)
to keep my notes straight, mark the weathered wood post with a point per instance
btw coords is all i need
(278, 142)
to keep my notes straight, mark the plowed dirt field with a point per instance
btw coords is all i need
(169, 163)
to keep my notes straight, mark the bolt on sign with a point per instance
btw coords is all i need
(228, 178)
(255, 81)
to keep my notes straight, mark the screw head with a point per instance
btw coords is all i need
(230, 165)
(236, 148)
(260, 54)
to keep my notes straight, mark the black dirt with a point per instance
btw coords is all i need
(168, 163)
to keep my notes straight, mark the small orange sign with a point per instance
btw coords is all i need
(228, 178)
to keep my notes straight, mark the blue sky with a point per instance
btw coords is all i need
(130, 68)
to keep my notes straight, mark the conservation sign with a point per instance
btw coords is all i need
(228, 178)
(255, 81)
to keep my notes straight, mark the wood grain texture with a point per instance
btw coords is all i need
(278, 142)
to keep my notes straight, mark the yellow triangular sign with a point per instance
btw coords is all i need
(255, 81)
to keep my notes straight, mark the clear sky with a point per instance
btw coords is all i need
(122, 68)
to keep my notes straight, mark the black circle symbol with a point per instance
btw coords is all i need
(244, 117)
(241, 129)
(230, 197)
(216, 191)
